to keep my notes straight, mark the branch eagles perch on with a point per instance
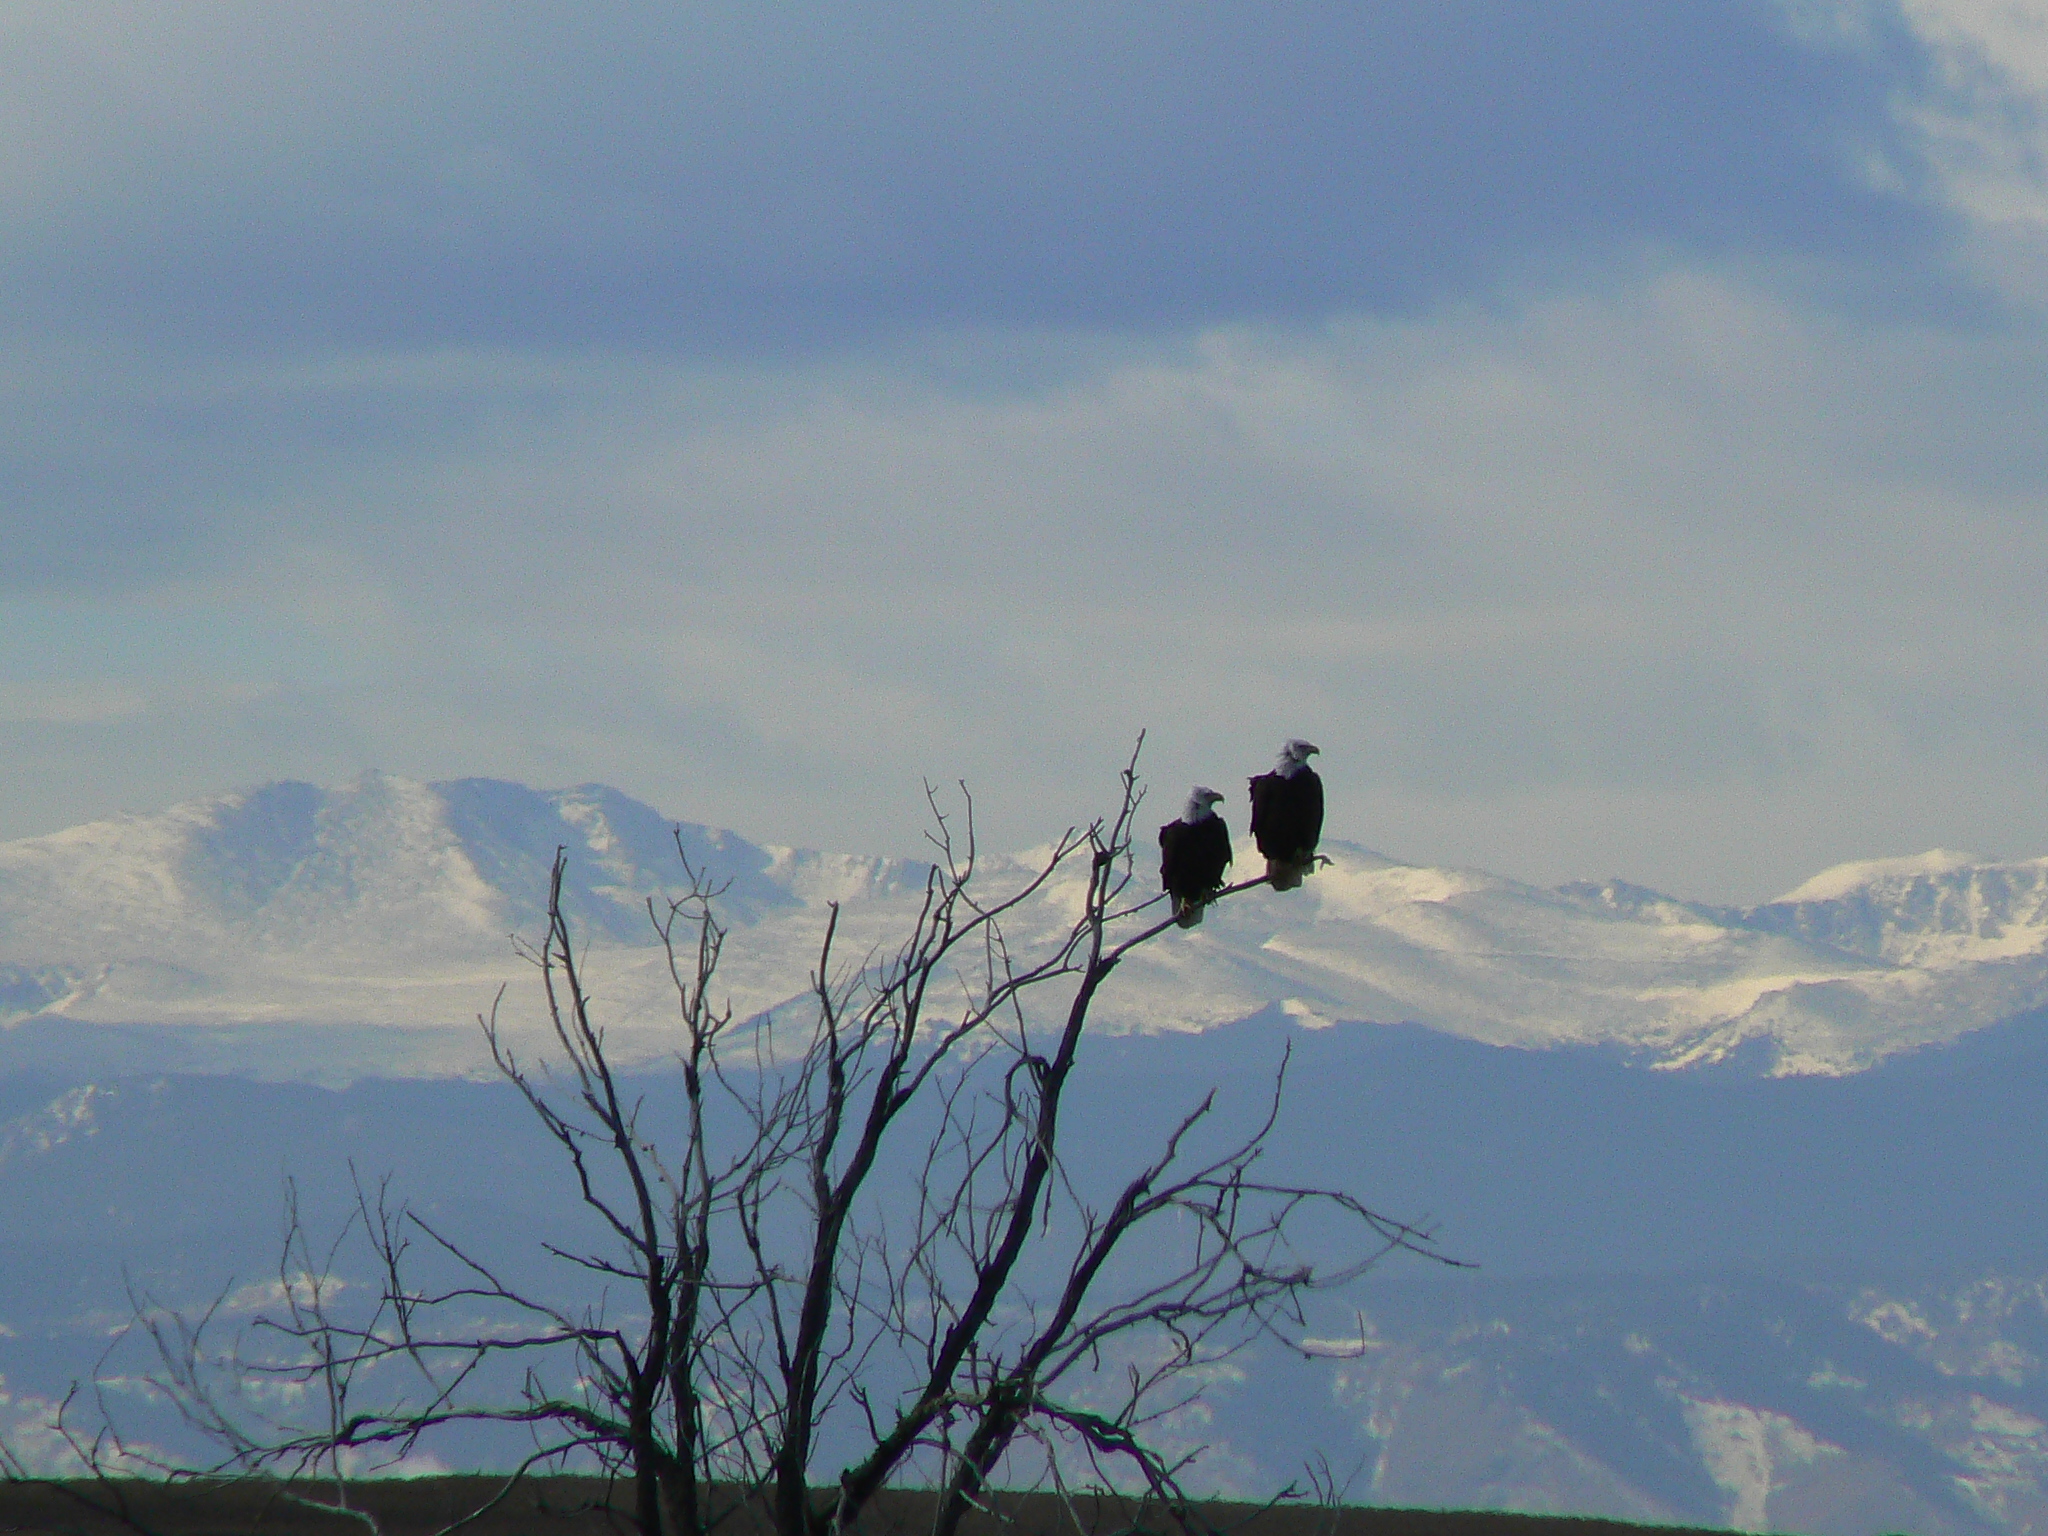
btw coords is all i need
(1287, 815)
(1193, 853)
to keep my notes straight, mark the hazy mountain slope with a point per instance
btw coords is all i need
(391, 903)
(1702, 1297)
(1528, 1163)
(1728, 1400)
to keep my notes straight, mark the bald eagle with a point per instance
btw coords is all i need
(1193, 853)
(1287, 815)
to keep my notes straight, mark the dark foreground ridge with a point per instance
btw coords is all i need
(579, 1506)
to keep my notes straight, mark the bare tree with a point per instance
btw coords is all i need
(856, 1248)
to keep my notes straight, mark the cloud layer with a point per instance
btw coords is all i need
(232, 174)
(1589, 422)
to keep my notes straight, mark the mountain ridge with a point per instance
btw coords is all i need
(389, 903)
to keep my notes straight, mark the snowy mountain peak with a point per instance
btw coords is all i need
(388, 902)
(384, 901)
(1845, 880)
(1936, 910)
(411, 866)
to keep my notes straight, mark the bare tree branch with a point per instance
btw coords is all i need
(828, 1253)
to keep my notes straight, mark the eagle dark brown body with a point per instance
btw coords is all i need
(1287, 816)
(1193, 853)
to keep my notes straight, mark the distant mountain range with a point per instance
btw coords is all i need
(297, 931)
(1756, 1193)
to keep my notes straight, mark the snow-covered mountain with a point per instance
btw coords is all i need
(386, 903)
(1812, 1300)
(376, 918)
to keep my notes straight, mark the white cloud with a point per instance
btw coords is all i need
(1670, 569)
(1974, 118)
(1681, 578)
(1982, 123)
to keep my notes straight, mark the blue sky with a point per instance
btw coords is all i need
(1614, 431)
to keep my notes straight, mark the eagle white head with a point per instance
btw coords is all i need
(1294, 757)
(1201, 804)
